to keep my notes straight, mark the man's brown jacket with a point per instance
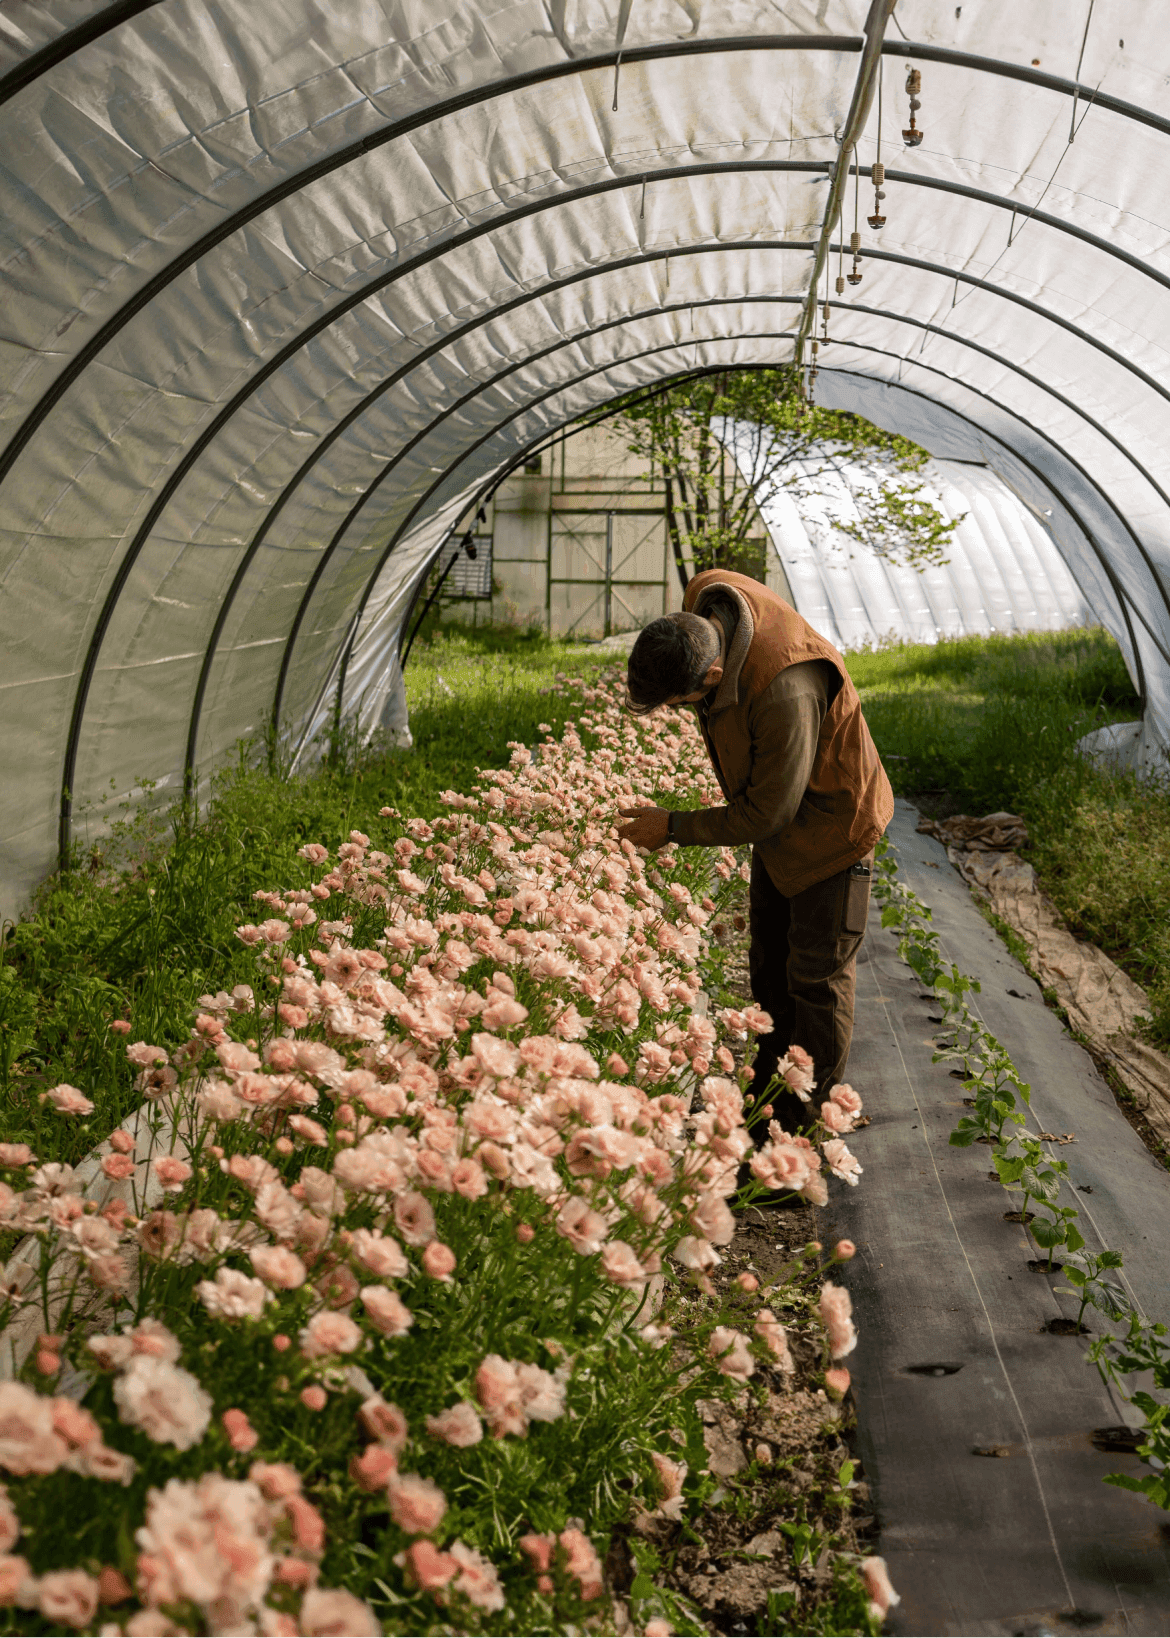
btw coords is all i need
(848, 801)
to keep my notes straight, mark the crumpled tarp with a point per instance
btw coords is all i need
(1103, 1003)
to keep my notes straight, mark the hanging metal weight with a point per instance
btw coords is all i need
(913, 136)
(878, 173)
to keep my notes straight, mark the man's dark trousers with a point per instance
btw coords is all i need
(802, 962)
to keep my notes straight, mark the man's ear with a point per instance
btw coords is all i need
(714, 675)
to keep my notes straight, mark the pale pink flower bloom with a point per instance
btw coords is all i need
(386, 1311)
(477, 1581)
(729, 1349)
(836, 1315)
(15, 1577)
(15, 1154)
(775, 1339)
(278, 1210)
(846, 1098)
(468, 1179)
(68, 1598)
(67, 1100)
(582, 1562)
(582, 1227)
(379, 1253)
(438, 1261)
(118, 1167)
(232, 1295)
(712, 1219)
(878, 1585)
(330, 1333)
(843, 1250)
(276, 1480)
(242, 1436)
(416, 1505)
(29, 1442)
(172, 1173)
(782, 1164)
(495, 1057)
(121, 1026)
(696, 1254)
(146, 1056)
(503, 1013)
(314, 1397)
(235, 1055)
(800, 1057)
(458, 1425)
(657, 1627)
(747, 1282)
(621, 1266)
(414, 1218)
(835, 1118)
(313, 852)
(9, 1523)
(216, 1101)
(384, 1422)
(207, 1542)
(429, 1569)
(165, 1401)
(278, 1266)
(310, 1130)
(842, 1164)
(372, 1469)
(331, 1612)
(671, 1477)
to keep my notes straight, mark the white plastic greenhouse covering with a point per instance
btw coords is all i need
(289, 283)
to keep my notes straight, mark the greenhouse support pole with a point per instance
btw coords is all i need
(880, 12)
(608, 575)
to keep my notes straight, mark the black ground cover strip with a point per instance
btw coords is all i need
(975, 1423)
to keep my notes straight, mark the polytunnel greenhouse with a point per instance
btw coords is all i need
(302, 306)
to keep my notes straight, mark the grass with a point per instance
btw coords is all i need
(146, 922)
(980, 724)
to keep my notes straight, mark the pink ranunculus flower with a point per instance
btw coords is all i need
(67, 1598)
(845, 1098)
(620, 1265)
(242, 1436)
(671, 1477)
(835, 1118)
(386, 1312)
(171, 1173)
(438, 1261)
(775, 1339)
(836, 1315)
(371, 1470)
(459, 1425)
(842, 1163)
(118, 1167)
(278, 1266)
(379, 1253)
(166, 1402)
(330, 1333)
(331, 1612)
(414, 1218)
(67, 1100)
(416, 1505)
(731, 1353)
(879, 1587)
(232, 1295)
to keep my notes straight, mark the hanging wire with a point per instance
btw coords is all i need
(1072, 125)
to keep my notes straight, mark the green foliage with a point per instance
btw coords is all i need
(989, 723)
(713, 497)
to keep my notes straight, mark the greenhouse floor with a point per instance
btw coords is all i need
(975, 1423)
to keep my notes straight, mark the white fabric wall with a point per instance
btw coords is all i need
(284, 287)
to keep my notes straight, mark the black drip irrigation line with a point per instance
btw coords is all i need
(233, 222)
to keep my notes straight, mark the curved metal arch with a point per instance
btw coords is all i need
(546, 439)
(67, 42)
(707, 302)
(905, 177)
(1123, 602)
(509, 87)
(446, 473)
(401, 270)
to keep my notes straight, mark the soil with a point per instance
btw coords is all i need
(776, 1450)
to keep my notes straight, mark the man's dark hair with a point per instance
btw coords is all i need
(670, 658)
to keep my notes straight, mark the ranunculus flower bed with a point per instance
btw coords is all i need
(373, 1316)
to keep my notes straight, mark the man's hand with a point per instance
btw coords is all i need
(647, 827)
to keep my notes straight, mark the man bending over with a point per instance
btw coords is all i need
(804, 785)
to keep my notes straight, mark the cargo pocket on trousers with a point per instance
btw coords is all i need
(856, 911)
